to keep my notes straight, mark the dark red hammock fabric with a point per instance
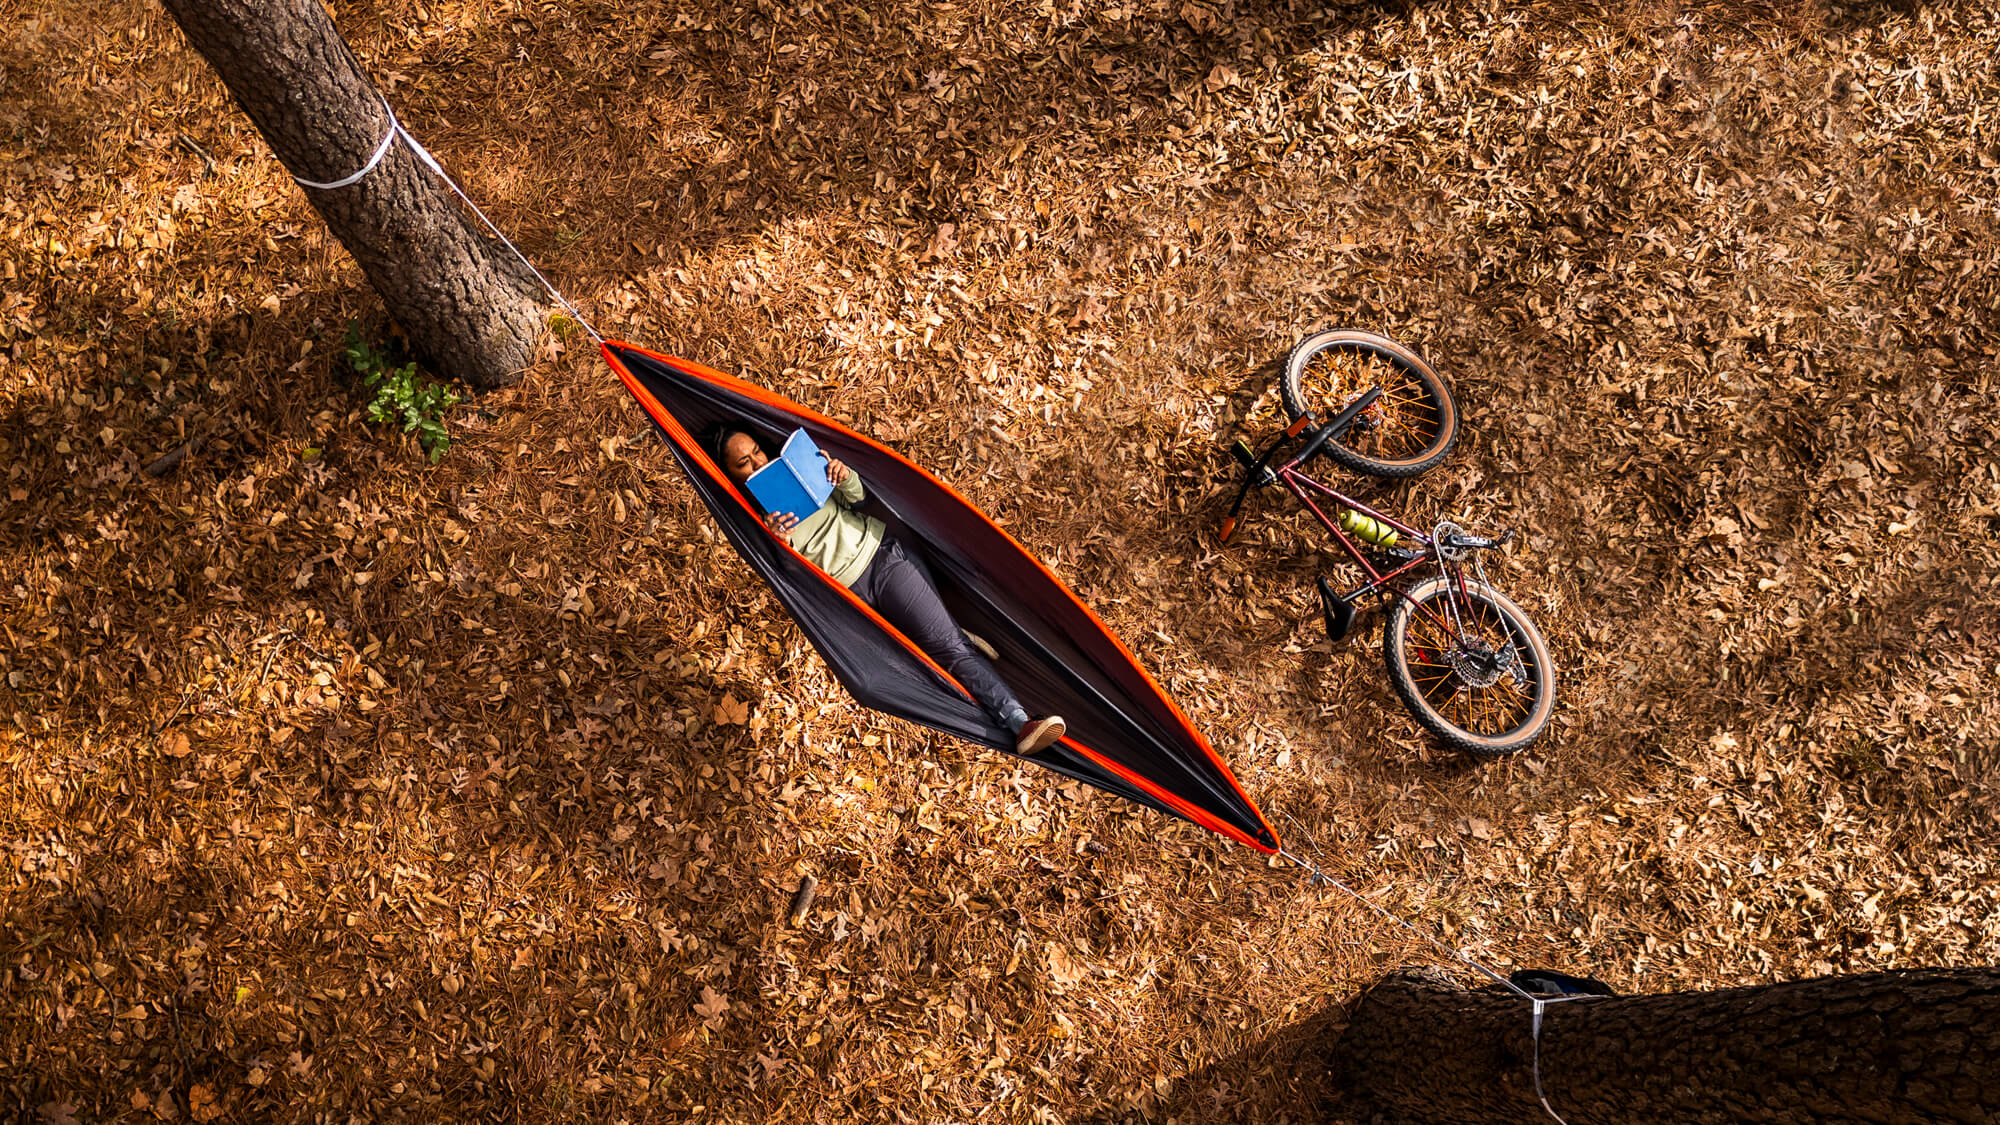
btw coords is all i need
(1125, 735)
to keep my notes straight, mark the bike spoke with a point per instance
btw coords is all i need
(1447, 680)
(1402, 426)
(1504, 706)
(1403, 422)
(1485, 706)
(1490, 711)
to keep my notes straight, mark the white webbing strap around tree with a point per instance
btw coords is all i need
(1537, 1004)
(381, 150)
(389, 137)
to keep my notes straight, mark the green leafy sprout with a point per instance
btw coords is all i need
(401, 395)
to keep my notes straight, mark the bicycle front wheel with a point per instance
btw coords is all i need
(1408, 430)
(1470, 666)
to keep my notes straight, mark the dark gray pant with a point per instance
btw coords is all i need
(899, 586)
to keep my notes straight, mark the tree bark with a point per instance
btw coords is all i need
(470, 310)
(1884, 1048)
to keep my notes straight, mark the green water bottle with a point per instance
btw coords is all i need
(1366, 529)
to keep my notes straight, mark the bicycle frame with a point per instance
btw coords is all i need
(1293, 479)
(1300, 485)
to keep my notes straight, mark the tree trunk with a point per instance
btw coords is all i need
(470, 310)
(1883, 1048)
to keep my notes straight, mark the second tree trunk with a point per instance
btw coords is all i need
(1884, 1048)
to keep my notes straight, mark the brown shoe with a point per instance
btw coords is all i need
(1040, 734)
(980, 645)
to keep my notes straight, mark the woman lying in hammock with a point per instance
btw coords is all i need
(858, 552)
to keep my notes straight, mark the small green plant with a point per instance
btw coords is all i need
(402, 395)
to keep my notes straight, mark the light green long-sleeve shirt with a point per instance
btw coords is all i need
(838, 539)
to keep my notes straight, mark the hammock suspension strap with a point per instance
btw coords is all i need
(390, 135)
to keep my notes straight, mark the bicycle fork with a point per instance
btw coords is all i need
(1508, 659)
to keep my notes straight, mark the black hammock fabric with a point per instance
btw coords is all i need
(1125, 735)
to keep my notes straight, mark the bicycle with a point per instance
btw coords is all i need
(1465, 659)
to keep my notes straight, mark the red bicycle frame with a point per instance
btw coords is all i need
(1301, 486)
(1298, 484)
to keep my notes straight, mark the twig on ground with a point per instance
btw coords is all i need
(802, 899)
(167, 461)
(207, 161)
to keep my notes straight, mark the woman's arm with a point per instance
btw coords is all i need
(846, 483)
(847, 492)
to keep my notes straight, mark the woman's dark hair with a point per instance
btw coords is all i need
(715, 441)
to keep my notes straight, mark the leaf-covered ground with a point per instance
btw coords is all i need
(338, 786)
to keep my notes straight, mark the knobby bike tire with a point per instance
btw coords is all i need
(1418, 673)
(1416, 407)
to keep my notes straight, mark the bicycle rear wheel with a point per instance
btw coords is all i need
(1408, 430)
(1486, 683)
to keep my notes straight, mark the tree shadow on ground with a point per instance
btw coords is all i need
(1283, 1077)
(665, 136)
(427, 862)
(255, 685)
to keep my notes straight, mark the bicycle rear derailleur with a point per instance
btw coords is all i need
(1479, 665)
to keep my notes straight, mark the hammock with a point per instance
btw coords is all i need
(1125, 735)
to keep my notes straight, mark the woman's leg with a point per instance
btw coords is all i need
(900, 588)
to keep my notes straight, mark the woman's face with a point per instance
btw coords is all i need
(741, 456)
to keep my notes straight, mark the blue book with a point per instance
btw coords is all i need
(795, 481)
